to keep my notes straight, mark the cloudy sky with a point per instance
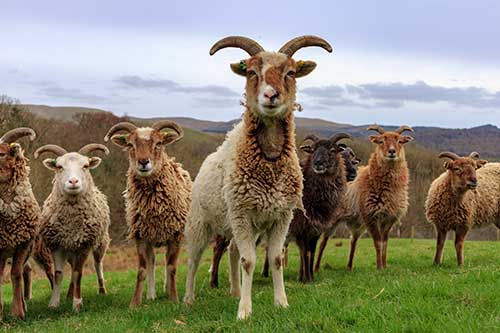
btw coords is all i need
(426, 62)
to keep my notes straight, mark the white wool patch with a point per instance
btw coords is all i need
(144, 133)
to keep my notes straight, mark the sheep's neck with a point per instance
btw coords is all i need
(271, 134)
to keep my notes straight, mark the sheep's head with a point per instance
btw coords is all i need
(271, 87)
(11, 151)
(390, 144)
(350, 161)
(463, 170)
(324, 154)
(145, 145)
(72, 170)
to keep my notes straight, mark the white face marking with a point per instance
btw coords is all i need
(144, 133)
(72, 177)
(268, 104)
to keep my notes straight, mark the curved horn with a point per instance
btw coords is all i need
(474, 155)
(376, 128)
(87, 149)
(304, 41)
(312, 137)
(124, 126)
(449, 155)
(404, 128)
(339, 136)
(159, 125)
(244, 43)
(59, 151)
(17, 133)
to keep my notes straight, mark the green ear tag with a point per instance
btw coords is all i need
(300, 63)
(243, 65)
(53, 162)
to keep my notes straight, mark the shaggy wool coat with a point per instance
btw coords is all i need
(157, 207)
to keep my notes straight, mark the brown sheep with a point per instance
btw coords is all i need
(378, 197)
(19, 217)
(466, 195)
(157, 200)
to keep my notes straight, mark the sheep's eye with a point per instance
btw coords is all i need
(86, 166)
(3, 154)
(251, 73)
(290, 74)
(58, 167)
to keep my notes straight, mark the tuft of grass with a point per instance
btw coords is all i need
(412, 295)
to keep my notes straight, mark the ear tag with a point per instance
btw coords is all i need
(12, 145)
(243, 65)
(54, 163)
(300, 63)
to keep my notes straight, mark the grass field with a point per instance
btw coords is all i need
(411, 296)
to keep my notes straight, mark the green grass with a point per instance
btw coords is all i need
(411, 296)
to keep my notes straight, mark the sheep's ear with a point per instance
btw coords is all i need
(406, 138)
(120, 140)
(481, 163)
(448, 165)
(307, 148)
(239, 68)
(356, 161)
(15, 148)
(170, 137)
(94, 162)
(50, 163)
(303, 68)
(341, 146)
(374, 138)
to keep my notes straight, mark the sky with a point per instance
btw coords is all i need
(426, 62)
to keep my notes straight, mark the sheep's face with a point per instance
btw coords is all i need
(145, 147)
(463, 172)
(324, 156)
(72, 172)
(351, 162)
(8, 155)
(390, 145)
(271, 85)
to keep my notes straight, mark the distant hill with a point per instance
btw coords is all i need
(484, 139)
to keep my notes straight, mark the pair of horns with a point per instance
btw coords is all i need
(334, 138)
(59, 151)
(17, 133)
(474, 155)
(158, 126)
(253, 48)
(381, 130)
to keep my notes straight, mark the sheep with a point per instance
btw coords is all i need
(378, 197)
(252, 183)
(157, 200)
(75, 218)
(19, 217)
(324, 186)
(350, 162)
(466, 195)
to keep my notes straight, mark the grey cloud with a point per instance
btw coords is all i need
(216, 102)
(137, 82)
(55, 91)
(397, 94)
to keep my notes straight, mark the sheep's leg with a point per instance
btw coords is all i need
(441, 239)
(265, 268)
(59, 258)
(285, 255)
(150, 271)
(43, 258)
(245, 238)
(460, 234)
(27, 271)
(303, 258)
(234, 269)
(220, 247)
(322, 247)
(98, 255)
(276, 239)
(141, 273)
(2, 271)
(378, 243)
(171, 259)
(71, 287)
(76, 277)
(352, 251)
(18, 260)
(385, 240)
(312, 249)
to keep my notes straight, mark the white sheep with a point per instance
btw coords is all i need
(75, 217)
(253, 182)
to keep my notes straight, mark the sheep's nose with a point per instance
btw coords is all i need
(472, 183)
(392, 151)
(144, 162)
(73, 181)
(271, 94)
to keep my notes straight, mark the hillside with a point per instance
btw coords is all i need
(484, 139)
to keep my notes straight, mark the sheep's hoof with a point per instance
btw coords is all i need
(18, 312)
(77, 305)
(281, 303)
(188, 300)
(135, 304)
(53, 305)
(102, 291)
(244, 312)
